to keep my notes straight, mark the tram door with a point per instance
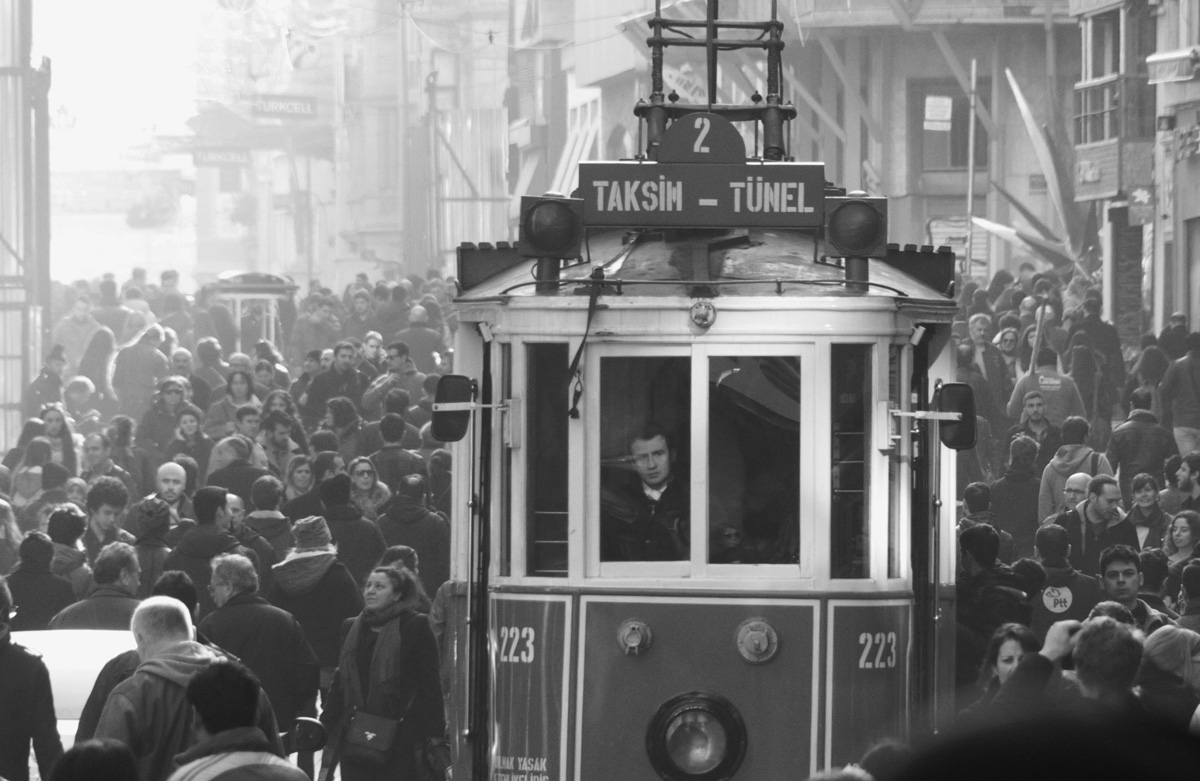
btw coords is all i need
(933, 549)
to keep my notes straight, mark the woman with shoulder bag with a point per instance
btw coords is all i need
(384, 711)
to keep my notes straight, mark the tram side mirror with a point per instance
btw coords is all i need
(956, 397)
(458, 391)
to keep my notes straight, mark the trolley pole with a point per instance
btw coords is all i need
(967, 259)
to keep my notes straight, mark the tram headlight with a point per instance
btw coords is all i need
(856, 226)
(696, 737)
(551, 226)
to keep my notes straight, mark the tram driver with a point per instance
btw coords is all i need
(644, 516)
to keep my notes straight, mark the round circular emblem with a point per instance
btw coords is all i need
(1057, 599)
(703, 313)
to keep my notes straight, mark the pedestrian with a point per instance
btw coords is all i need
(28, 713)
(37, 593)
(326, 464)
(47, 387)
(189, 439)
(299, 478)
(111, 603)
(367, 492)
(138, 370)
(209, 538)
(1147, 517)
(65, 528)
(1073, 457)
(359, 542)
(398, 683)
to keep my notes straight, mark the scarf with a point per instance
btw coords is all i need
(1141, 517)
(385, 660)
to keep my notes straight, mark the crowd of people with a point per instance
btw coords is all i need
(274, 530)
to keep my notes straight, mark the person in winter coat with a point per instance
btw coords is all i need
(267, 639)
(111, 603)
(400, 682)
(234, 472)
(367, 491)
(221, 419)
(137, 372)
(407, 520)
(326, 464)
(149, 711)
(266, 519)
(1139, 445)
(1147, 517)
(1068, 594)
(209, 538)
(1071, 458)
(28, 713)
(318, 590)
(47, 387)
(1096, 524)
(190, 439)
(225, 698)
(150, 522)
(1058, 390)
(359, 542)
(1015, 496)
(342, 380)
(65, 528)
(162, 419)
(37, 593)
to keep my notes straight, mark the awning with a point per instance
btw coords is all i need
(1167, 67)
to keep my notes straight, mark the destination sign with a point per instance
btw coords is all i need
(702, 195)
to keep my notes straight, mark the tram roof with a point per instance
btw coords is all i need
(682, 263)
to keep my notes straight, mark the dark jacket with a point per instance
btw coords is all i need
(303, 506)
(38, 596)
(404, 522)
(1180, 389)
(1068, 595)
(1048, 442)
(238, 477)
(1086, 544)
(194, 553)
(370, 441)
(71, 564)
(1156, 522)
(272, 644)
(332, 383)
(92, 545)
(45, 389)
(387, 692)
(1140, 445)
(149, 712)
(157, 429)
(1015, 506)
(234, 755)
(393, 463)
(320, 593)
(199, 449)
(275, 528)
(107, 607)
(264, 553)
(634, 528)
(28, 712)
(359, 542)
(1008, 550)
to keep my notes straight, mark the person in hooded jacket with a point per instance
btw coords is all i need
(149, 711)
(209, 538)
(318, 590)
(150, 527)
(407, 520)
(359, 542)
(1073, 457)
(65, 528)
(1068, 593)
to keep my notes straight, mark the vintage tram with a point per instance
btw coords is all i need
(703, 513)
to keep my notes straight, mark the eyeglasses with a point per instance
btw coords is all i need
(364, 472)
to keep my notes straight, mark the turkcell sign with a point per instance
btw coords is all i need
(703, 195)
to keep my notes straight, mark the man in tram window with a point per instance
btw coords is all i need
(645, 518)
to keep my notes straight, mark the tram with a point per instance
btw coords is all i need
(704, 428)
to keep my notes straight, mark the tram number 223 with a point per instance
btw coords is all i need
(516, 644)
(878, 651)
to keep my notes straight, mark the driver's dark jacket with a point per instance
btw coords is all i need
(633, 527)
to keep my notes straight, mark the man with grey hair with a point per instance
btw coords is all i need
(988, 357)
(113, 600)
(268, 640)
(149, 711)
(424, 341)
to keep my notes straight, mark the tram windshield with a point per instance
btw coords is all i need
(751, 434)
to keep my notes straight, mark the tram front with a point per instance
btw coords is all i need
(697, 508)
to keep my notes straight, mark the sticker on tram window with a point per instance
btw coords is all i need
(878, 651)
(516, 644)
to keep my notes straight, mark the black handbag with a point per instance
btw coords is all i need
(369, 739)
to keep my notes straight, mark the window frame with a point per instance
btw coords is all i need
(918, 89)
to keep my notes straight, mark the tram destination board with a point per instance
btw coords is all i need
(702, 195)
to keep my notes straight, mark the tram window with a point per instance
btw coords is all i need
(851, 425)
(753, 460)
(645, 407)
(546, 387)
(506, 473)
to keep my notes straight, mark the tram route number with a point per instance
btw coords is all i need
(878, 651)
(516, 644)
